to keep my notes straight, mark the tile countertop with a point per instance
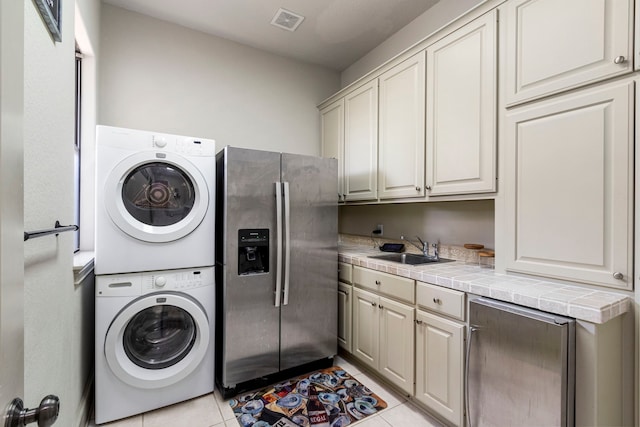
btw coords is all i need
(580, 303)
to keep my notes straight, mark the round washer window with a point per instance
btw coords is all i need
(158, 194)
(159, 336)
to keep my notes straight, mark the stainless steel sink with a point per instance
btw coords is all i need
(411, 259)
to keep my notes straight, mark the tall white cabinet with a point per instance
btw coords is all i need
(569, 186)
(555, 45)
(461, 110)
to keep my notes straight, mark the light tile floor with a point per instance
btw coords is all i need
(212, 411)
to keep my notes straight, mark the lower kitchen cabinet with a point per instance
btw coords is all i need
(345, 294)
(345, 304)
(440, 351)
(383, 337)
(439, 365)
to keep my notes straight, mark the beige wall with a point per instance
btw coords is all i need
(450, 223)
(429, 22)
(163, 77)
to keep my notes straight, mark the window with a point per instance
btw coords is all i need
(77, 145)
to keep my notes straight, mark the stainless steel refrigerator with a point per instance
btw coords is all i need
(276, 266)
(521, 366)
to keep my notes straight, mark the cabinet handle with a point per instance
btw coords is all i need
(378, 282)
(380, 306)
(373, 304)
(437, 301)
(428, 187)
(417, 188)
(618, 276)
(620, 60)
(418, 322)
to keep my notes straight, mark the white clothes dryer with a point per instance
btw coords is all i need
(154, 340)
(154, 201)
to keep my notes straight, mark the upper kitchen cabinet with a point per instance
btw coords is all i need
(461, 110)
(569, 173)
(332, 128)
(555, 45)
(401, 139)
(361, 143)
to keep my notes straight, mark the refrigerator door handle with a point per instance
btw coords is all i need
(287, 242)
(472, 329)
(278, 243)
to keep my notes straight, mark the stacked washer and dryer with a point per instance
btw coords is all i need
(154, 257)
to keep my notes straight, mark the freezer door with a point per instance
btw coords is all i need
(520, 366)
(310, 299)
(250, 343)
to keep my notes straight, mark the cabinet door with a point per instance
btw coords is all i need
(366, 327)
(345, 294)
(568, 186)
(361, 143)
(461, 110)
(439, 365)
(332, 128)
(401, 139)
(555, 45)
(396, 343)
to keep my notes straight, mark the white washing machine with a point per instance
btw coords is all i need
(154, 340)
(154, 201)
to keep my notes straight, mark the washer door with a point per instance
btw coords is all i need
(157, 199)
(157, 340)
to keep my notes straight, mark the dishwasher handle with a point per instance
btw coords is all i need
(470, 332)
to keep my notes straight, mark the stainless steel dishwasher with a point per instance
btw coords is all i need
(520, 368)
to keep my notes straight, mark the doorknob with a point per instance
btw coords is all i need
(45, 415)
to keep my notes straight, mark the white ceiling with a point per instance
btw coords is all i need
(334, 33)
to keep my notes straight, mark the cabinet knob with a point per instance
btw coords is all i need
(618, 276)
(417, 188)
(418, 322)
(620, 60)
(380, 306)
(378, 282)
(373, 304)
(437, 301)
(428, 187)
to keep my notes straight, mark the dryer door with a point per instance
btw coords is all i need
(157, 340)
(156, 197)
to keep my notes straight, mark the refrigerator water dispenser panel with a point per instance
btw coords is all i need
(253, 251)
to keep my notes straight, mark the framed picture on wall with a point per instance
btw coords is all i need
(50, 12)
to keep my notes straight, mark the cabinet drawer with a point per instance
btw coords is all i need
(440, 300)
(345, 272)
(395, 286)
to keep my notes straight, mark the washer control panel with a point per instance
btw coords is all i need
(196, 147)
(178, 280)
(153, 281)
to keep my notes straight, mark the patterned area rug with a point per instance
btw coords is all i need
(328, 397)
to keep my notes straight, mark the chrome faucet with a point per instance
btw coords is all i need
(425, 248)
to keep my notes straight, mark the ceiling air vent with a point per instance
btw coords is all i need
(287, 20)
